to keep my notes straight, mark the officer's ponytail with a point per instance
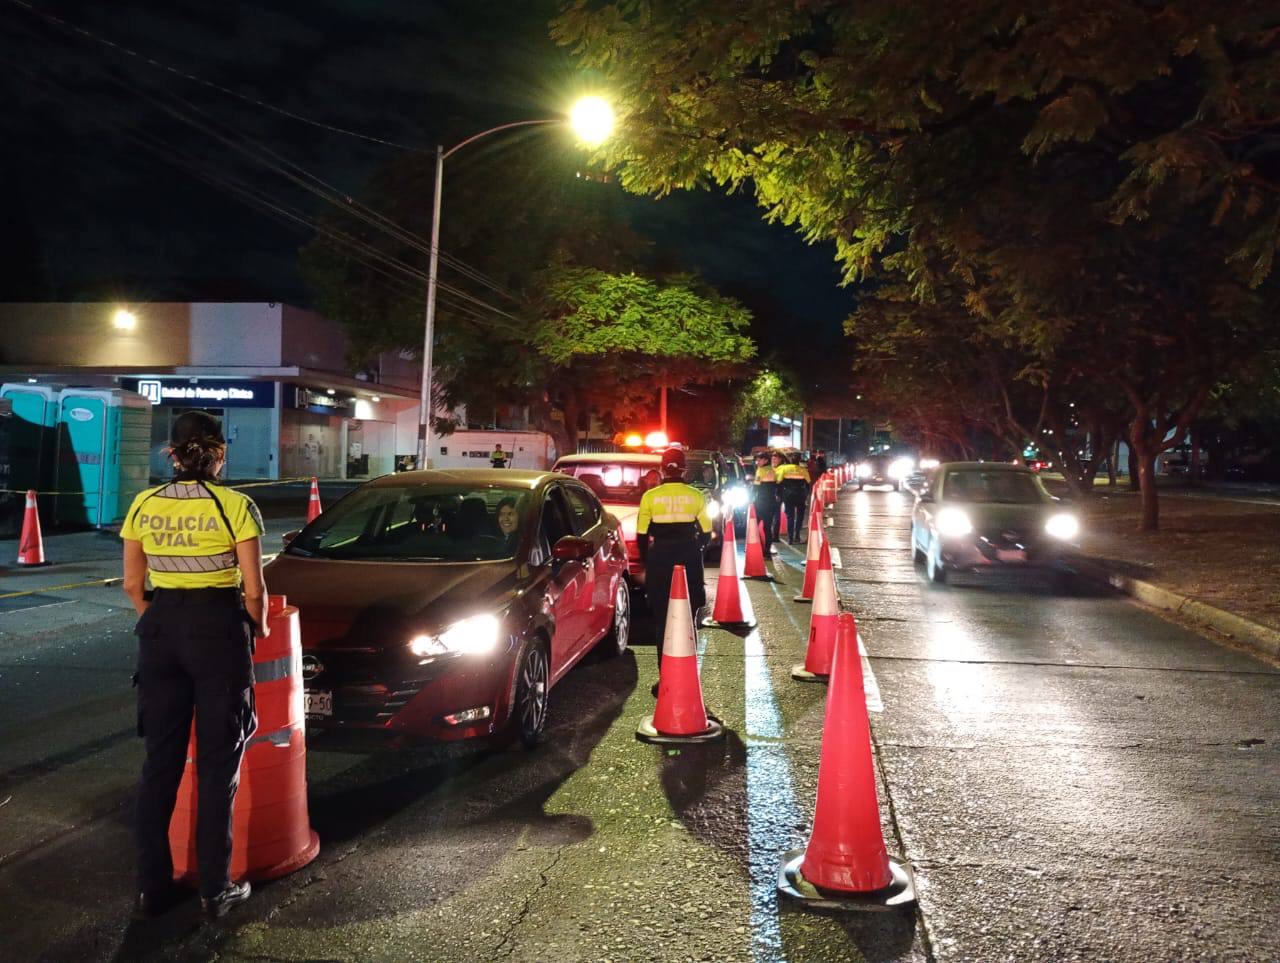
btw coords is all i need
(197, 446)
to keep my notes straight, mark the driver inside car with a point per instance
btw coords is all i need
(508, 515)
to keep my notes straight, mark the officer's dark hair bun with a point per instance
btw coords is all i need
(197, 445)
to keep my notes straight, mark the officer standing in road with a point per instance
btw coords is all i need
(766, 497)
(673, 517)
(498, 457)
(793, 479)
(201, 545)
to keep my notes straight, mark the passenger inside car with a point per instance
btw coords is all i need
(508, 517)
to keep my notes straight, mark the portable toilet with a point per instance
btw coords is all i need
(104, 454)
(33, 438)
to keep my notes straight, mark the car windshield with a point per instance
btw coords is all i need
(617, 483)
(976, 486)
(700, 469)
(419, 523)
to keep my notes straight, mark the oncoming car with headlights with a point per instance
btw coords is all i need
(980, 516)
(882, 471)
(447, 604)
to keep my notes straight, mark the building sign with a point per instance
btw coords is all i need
(318, 402)
(203, 393)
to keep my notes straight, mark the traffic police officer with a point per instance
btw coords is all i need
(201, 545)
(793, 478)
(673, 517)
(766, 496)
(498, 457)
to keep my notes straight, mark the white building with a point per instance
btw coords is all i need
(277, 375)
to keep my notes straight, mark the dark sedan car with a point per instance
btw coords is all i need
(447, 604)
(979, 516)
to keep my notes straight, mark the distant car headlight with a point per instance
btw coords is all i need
(900, 468)
(863, 470)
(713, 508)
(736, 497)
(953, 522)
(474, 636)
(1062, 526)
(927, 463)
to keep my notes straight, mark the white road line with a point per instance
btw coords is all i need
(870, 688)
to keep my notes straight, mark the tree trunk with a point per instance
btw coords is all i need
(1112, 463)
(1150, 497)
(1133, 468)
(571, 409)
(1193, 468)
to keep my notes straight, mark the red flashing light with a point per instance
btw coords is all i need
(656, 439)
(633, 441)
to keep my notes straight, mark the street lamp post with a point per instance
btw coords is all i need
(592, 120)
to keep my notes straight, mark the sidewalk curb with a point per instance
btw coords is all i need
(1257, 636)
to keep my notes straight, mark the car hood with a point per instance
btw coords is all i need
(369, 603)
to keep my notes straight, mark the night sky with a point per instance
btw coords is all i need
(96, 207)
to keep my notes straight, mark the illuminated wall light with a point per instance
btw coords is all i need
(124, 320)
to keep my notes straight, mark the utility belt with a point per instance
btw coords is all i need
(794, 484)
(662, 531)
(164, 597)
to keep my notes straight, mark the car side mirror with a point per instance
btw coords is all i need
(570, 548)
(288, 537)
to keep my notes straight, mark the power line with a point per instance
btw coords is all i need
(70, 27)
(351, 205)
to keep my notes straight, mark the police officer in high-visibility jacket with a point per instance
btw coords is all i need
(201, 545)
(497, 457)
(766, 496)
(672, 528)
(793, 480)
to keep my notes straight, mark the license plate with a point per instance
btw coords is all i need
(317, 703)
(1010, 554)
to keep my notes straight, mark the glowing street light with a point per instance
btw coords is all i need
(124, 320)
(591, 119)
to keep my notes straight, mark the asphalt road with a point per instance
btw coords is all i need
(1071, 777)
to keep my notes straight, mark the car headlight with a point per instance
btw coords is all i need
(863, 469)
(713, 508)
(901, 468)
(1062, 526)
(736, 497)
(953, 522)
(475, 635)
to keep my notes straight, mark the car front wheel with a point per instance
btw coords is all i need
(533, 686)
(619, 636)
(933, 565)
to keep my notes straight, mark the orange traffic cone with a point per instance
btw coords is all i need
(753, 565)
(733, 607)
(828, 489)
(313, 503)
(680, 715)
(271, 830)
(822, 624)
(31, 543)
(812, 549)
(845, 866)
(783, 531)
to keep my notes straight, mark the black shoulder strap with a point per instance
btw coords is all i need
(231, 532)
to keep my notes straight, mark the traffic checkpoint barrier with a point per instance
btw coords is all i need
(828, 490)
(845, 865)
(271, 829)
(753, 560)
(31, 542)
(822, 624)
(680, 715)
(313, 502)
(733, 606)
(813, 548)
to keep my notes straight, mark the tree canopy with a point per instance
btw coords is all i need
(1047, 204)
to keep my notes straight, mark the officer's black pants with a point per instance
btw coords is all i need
(767, 512)
(194, 654)
(664, 555)
(793, 504)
